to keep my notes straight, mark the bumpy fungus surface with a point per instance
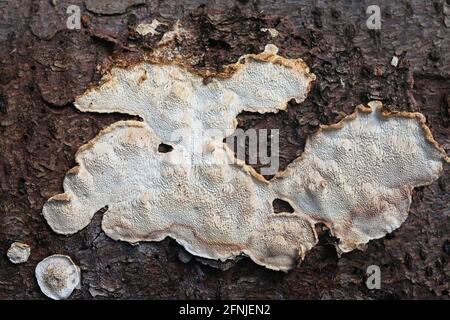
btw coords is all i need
(356, 176)
(18, 252)
(57, 276)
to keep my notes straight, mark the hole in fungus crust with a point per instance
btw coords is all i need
(164, 148)
(280, 205)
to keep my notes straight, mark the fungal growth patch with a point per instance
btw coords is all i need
(18, 252)
(57, 276)
(356, 177)
(148, 28)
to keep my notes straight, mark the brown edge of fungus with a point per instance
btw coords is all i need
(366, 108)
(423, 123)
(268, 55)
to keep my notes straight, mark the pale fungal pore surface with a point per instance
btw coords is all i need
(148, 28)
(18, 252)
(57, 276)
(356, 177)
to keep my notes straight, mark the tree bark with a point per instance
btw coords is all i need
(44, 66)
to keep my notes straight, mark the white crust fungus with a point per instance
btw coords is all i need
(148, 28)
(57, 276)
(273, 32)
(18, 252)
(394, 61)
(356, 176)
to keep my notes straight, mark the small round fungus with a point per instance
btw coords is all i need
(18, 252)
(57, 276)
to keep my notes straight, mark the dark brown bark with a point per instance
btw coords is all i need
(43, 66)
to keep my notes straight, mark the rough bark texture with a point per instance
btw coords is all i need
(43, 66)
